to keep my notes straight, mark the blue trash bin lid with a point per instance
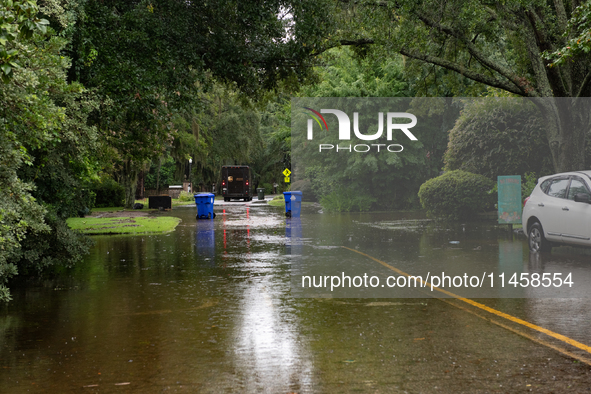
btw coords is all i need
(204, 198)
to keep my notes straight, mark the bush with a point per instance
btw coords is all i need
(186, 196)
(268, 188)
(346, 200)
(108, 193)
(305, 186)
(502, 136)
(457, 195)
(528, 184)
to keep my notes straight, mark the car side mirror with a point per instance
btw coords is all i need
(583, 197)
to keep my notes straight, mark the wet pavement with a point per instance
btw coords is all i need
(210, 308)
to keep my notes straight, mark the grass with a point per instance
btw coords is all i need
(278, 201)
(124, 225)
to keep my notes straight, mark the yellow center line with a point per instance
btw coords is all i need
(514, 319)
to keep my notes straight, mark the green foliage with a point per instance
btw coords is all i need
(153, 60)
(273, 155)
(18, 22)
(492, 44)
(344, 199)
(161, 174)
(342, 74)
(392, 179)
(229, 133)
(457, 195)
(528, 184)
(578, 34)
(498, 136)
(268, 187)
(186, 196)
(52, 250)
(46, 153)
(305, 186)
(108, 193)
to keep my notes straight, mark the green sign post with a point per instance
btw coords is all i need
(509, 191)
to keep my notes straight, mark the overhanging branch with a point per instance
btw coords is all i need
(523, 87)
(478, 77)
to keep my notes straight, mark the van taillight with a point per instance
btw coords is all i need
(525, 201)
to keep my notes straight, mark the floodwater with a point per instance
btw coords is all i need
(213, 307)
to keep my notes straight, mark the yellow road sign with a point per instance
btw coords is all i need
(287, 179)
(286, 172)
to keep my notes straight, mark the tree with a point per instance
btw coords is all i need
(151, 59)
(499, 136)
(228, 132)
(498, 44)
(19, 20)
(386, 180)
(46, 154)
(274, 154)
(578, 35)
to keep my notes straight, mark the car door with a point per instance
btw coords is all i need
(576, 215)
(551, 214)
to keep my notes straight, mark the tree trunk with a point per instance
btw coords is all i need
(158, 175)
(568, 123)
(129, 179)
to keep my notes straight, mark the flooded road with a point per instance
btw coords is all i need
(211, 308)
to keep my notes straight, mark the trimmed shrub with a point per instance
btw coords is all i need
(502, 136)
(108, 193)
(457, 195)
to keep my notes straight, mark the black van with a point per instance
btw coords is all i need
(236, 182)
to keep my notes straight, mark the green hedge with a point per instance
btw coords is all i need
(457, 195)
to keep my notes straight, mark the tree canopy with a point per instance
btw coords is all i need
(151, 59)
(498, 44)
(46, 155)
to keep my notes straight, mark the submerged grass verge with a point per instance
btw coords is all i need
(124, 225)
(278, 201)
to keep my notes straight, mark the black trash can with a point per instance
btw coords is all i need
(261, 193)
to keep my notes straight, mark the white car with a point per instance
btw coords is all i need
(558, 211)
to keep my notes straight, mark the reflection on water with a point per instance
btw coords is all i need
(165, 311)
(269, 351)
(205, 240)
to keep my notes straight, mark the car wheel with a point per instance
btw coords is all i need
(537, 241)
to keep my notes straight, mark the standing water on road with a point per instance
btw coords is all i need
(211, 307)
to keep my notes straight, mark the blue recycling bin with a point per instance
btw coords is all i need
(293, 204)
(204, 202)
(205, 240)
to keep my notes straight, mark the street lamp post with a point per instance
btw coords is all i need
(190, 183)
